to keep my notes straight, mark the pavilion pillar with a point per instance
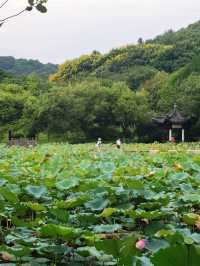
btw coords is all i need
(183, 135)
(9, 135)
(170, 134)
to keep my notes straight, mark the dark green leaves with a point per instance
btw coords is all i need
(60, 214)
(38, 4)
(97, 204)
(41, 8)
(29, 8)
(8, 195)
(60, 232)
(31, 2)
(176, 255)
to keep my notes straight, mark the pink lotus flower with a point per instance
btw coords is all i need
(140, 244)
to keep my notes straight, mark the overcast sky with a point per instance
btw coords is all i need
(75, 27)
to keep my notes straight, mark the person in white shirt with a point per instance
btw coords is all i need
(118, 143)
(99, 143)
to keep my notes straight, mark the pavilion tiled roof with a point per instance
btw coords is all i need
(174, 118)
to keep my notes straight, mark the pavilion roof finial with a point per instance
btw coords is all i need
(175, 106)
(173, 118)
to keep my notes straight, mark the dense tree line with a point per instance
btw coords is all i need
(78, 112)
(26, 67)
(112, 95)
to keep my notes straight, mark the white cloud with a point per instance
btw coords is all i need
(74, 27)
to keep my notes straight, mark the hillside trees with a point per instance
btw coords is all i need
(168, 52)
(3, 75)
(139, 61)
(187, 95)
(18, 103)
(153, 87)
(181, 87)
(107, 95)
(11, 108)
(23, 67)
(85, 110)
(91, 109)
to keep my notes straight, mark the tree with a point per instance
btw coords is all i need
(140, 41)
(38, 4)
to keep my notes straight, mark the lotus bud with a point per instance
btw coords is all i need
(140, 244)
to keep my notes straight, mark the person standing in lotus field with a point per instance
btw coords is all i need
(99, 143)
(118, 144)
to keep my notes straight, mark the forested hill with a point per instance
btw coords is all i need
(25, 67)
(105, 95)
(188, 37)
(136, 63)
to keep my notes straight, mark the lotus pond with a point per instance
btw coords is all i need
(74, 205)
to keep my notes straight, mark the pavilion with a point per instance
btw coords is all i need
(173, 121)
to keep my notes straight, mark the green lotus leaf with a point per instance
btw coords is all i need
(67, 183)
(97, 204)
(3, 182)
(60, 232)
(60, 214)
(154, 245)
(89, 251)
(196, 237)
(164, 233)
(73, 202)
(143, 261)
(107, 228)
(108, 212)
(36, 191)
(190, 218)
(36, 206)
(109, 246)
(9, 195)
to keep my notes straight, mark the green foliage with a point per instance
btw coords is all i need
(25, 67)
(139, 75)
(73, 70)
(38, 4)
(92, 108)
(11, 107)
(168, 52)
(3, 75)
(105, 95)
(69, 204)
(181, 87)
(186, 42)
(129, 62)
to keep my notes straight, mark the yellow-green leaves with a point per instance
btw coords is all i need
(108, 212)
(190, 218)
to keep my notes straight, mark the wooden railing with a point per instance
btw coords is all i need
(22, 142)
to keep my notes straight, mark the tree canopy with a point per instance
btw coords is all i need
(108, 95)
(25, 67)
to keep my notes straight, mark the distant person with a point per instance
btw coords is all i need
(99, 143)
(173, 140)
(119, 144)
